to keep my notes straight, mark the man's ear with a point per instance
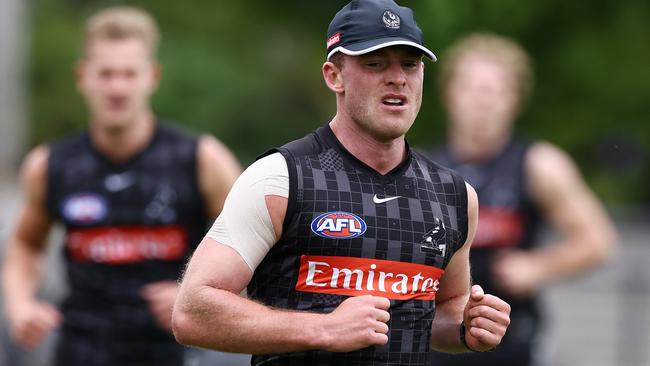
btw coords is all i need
(333, 77)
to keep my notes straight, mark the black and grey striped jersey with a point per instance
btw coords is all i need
(351, 231)
(127, 224)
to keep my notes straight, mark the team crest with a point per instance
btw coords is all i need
(433, 241)
(391, 20)
(85, 208)
(338, 225)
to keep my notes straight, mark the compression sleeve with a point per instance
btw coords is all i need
(244, 223)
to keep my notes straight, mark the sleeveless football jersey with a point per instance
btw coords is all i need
(127, 225)
(351, 231)
(507, 219)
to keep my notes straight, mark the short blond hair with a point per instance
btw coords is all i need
(501, 49)
(122, 22)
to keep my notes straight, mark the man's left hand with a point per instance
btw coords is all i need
(486, 319)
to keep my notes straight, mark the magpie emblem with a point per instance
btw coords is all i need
(433, 240)
(391, 20)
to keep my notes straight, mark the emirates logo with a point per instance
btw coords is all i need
(352, 276)
(391, 20)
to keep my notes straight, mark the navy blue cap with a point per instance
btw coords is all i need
(364, 26)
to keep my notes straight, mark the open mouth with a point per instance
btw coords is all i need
(394, 101)
(116, 103)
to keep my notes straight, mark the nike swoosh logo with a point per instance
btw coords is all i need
(119, 182)
(376, 199)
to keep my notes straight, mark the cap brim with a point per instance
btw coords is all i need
(375, 44)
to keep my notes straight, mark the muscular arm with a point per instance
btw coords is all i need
(486, 317)
(210, 313)
(29, 319)
(454, 289)
(586, 234)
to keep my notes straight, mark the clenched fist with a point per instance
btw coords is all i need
(358, 322)
(31, 321)
(486, 319)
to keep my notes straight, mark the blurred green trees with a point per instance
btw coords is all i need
(249, 72)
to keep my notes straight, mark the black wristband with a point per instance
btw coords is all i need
(464, 341)
(462, 337)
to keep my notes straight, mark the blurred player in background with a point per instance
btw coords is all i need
(134, 194)
(485, 81)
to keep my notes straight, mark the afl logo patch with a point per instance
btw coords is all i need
(391, 20)
(85, 208)
(338, 225)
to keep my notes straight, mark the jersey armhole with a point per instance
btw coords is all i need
(52, 189)
(459, 182)
(293, 184)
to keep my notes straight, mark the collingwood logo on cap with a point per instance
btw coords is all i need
(390, 19)
(365, 26)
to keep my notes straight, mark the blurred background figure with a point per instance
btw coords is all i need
(134, 194)
(485, 81)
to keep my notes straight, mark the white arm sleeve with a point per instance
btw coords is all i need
(244, 223)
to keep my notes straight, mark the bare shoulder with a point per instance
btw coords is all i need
(549, 162)
(472, 197)
(552, 175)
(33, 219)
(217, 165)
(217, 171)
(472, 214)
(34, 170)
(213, 151)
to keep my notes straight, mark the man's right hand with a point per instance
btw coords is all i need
(32, 321)
(358, 322)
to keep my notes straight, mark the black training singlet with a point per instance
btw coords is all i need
(350, 231)
(507, 219)
(127, 225)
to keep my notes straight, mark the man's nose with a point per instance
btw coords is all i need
(396, 74)
(118, 83)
